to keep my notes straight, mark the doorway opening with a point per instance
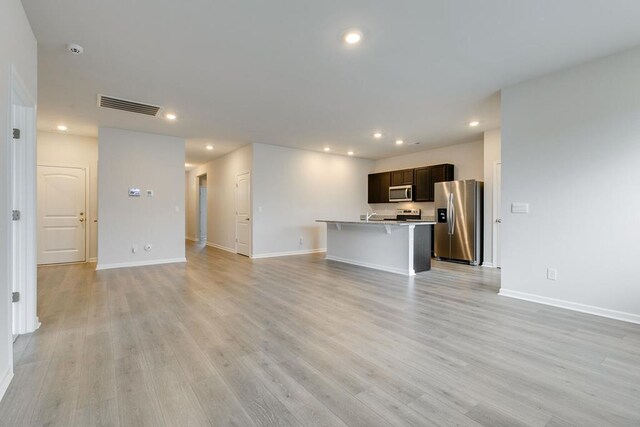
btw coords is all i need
(243, 214)
(202, 209)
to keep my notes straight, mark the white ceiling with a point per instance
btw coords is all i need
(277, 72)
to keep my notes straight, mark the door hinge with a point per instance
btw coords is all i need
(16, 133)
(15, 215)
(15, 297)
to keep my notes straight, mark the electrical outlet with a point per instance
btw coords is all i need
(301, 240)
(552, 273)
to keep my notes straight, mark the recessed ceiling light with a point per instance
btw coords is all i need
(399, 142)
(187, 165)
(377, 135)
(209, 147)
(327, 149)
(353, 37)
(62, 128)
(350, 153)
(170, 116)
(474, 123)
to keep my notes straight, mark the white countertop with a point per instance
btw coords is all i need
(378, 222)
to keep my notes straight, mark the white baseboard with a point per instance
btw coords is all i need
(92, 260)
(193, 239)
(5, 381)
(139, 263)
(374, 266)
(569, 305)
(224, 248)
(289, 253)
(488, 264)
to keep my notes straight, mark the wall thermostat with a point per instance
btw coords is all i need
(134, 192)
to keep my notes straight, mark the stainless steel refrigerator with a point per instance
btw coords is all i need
(459, 212)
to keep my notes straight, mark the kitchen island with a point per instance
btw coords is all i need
(402, 247)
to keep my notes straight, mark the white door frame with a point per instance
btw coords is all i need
(198, 219)
(22, 240)
(87, 196)
(235, 217)
(496, 214)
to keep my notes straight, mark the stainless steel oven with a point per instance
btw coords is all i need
(401, 193)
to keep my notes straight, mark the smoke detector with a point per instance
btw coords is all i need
(75, 49)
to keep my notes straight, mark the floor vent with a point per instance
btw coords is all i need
(126, 105)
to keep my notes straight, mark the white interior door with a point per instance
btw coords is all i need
(61, 214)
(497, 212)
(243, 214)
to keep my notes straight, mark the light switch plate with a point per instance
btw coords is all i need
(520, 207)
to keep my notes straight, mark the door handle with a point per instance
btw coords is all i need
(450, 214)
(453, 217)
(498, 221)
(81, 219)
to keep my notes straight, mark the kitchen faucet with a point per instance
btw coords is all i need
(369, 215)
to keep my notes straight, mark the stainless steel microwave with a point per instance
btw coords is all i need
(401, 193)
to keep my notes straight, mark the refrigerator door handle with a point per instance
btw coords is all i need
(453, 216)
(449, 215)
(449, 218)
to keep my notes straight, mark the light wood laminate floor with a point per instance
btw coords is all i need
(223, 340)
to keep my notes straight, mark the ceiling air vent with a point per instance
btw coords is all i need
(126, 105)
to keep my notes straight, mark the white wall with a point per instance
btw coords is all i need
(18, 48)
(491, 157)
(221, 181)
(150, 162)
(293, 188)
(571, 148)
(59, 149)
(467, 160)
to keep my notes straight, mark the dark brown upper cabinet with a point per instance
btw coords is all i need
(426, 177)
(378, 189)
(422, 179)
(421, 190)
(403, 177)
